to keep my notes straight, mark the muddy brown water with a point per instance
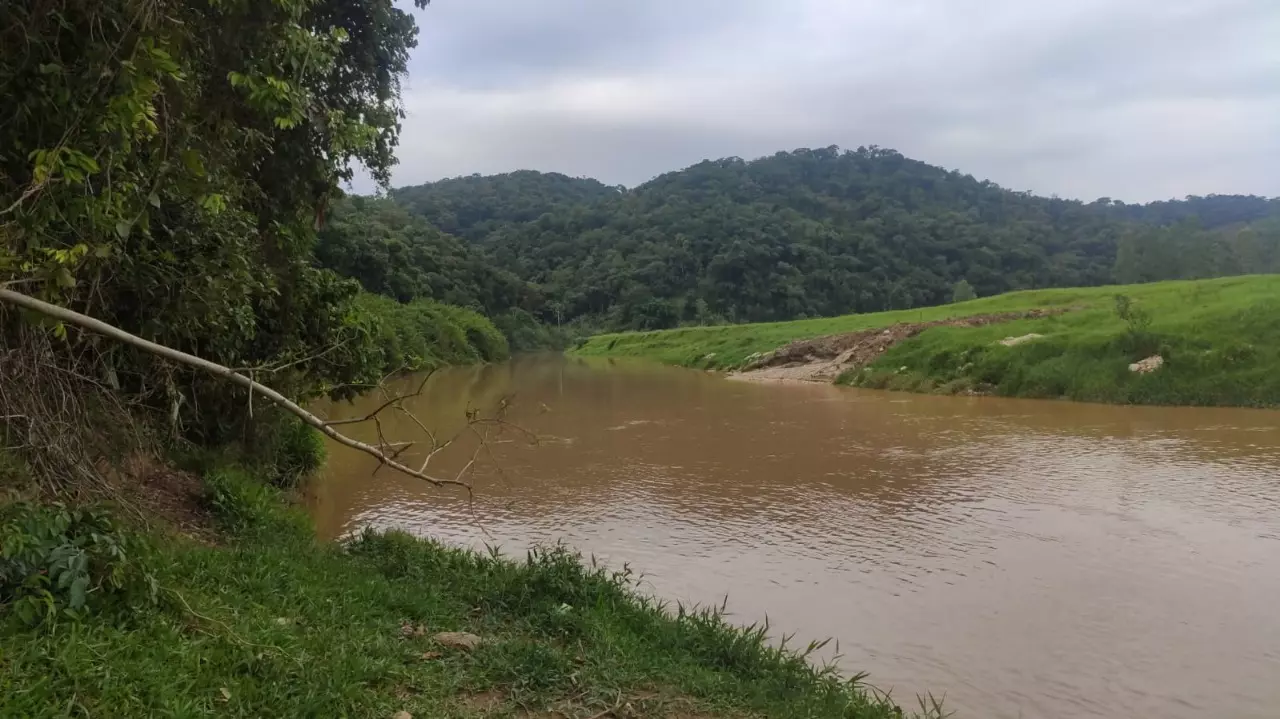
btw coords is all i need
(1022, 558)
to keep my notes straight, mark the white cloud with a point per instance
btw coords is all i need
(1136, 100)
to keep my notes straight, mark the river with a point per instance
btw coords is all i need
(1025, 559)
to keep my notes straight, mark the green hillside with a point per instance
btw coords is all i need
(822, 232)
(1219, 340)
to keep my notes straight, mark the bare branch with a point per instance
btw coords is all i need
(32, 190)
(294, 363)
(396, 400)
(92, 325)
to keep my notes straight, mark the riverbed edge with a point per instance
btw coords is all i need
(1217, 342)
(249, 615)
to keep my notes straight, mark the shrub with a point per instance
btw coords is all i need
(523, 331)
(300, 452)
(425, 333)
(1138, 339)
(279, 447)
(239, 502)
(962, 291)
(61, 561)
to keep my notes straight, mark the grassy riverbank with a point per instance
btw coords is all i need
(258, 619)
(1220, 341)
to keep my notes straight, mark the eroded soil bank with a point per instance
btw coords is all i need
(823, 359)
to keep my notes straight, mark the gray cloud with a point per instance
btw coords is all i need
(1133, 99)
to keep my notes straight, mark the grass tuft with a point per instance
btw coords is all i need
(275, 624)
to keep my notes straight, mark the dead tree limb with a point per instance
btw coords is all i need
(115, 333)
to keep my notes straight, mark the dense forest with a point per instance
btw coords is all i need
(164, 167)
(402, 256)
(797, 234)
(471, 207)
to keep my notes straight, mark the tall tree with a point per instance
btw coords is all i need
(164, 163)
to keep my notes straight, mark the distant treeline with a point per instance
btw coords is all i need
(798, 234)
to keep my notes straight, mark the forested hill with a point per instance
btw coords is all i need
(1211, 212)
(821, 232)
(472, 206)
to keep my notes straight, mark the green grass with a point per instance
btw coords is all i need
(274, 624)
(1220, 340)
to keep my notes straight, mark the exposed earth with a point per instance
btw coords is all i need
(823, 359)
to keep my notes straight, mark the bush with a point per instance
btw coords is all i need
(299, 452)
(61, 561)
(424, 334)
(525, 333)
(240, 503)
(1138, 339)
(482, 337)
(279, 447)
(962, 291)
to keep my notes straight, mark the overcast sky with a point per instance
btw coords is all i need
(1129, 99)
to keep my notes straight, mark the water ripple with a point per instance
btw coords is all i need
(1026, 559)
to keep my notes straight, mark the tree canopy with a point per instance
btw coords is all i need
(164, 166)
(821, 232)
(472, 206)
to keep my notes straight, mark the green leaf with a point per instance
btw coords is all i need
(192, 161)
(213, 202)
(50, 68)
(79, 592)
(64, 278)
(123, 229)
(154, 200)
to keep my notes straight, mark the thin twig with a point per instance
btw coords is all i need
(294, 363)
(374, 414)
(227, 628)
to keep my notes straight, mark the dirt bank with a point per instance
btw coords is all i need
(823, 359)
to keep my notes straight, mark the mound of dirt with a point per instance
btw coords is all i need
(823, 359)
(159, 492)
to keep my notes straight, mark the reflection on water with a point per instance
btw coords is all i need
(1026, 559)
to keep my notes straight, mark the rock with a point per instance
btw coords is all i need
(1015, 341)
(1150, 364)
(402, 715)
(458, 640)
